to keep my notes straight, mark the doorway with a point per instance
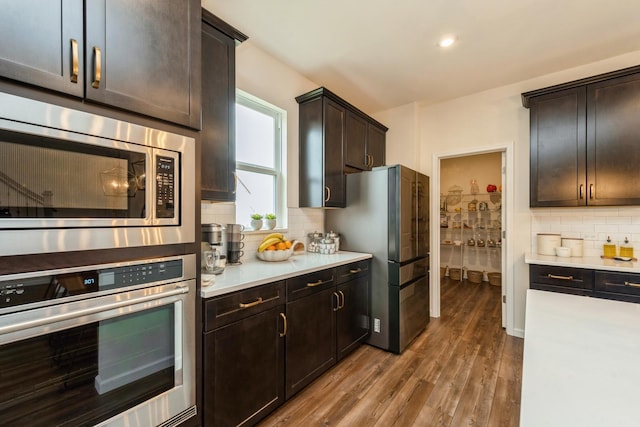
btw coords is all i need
(472, 221)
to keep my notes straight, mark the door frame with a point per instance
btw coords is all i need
(508, 185)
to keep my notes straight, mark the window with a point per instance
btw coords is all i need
(260, 159)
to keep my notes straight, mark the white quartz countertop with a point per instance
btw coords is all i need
(592, 262)
(254, 272)
(581, 362)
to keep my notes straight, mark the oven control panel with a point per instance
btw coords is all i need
(36, 288)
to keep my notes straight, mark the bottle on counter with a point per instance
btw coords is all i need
(626, 249)
(609, 248)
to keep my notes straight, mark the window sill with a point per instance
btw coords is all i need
(264, 231)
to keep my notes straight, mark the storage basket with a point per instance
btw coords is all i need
(443, 271)
(474, 276)
(495, 279)
(455, 273)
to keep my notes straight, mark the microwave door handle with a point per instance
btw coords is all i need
(89, 311)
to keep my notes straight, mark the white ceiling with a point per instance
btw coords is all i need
(380, 54)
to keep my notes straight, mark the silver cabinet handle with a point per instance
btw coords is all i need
(354, 271)
(634, 285)
(97, 70)
(318, 283)
(591, 191)
(342, 295)
(328, 191)
(337, 304)
(581, 191)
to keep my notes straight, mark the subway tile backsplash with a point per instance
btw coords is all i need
(593, 224)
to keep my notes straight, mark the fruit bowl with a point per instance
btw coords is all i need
(273, 256)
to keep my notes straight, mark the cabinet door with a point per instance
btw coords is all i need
(311, 339)
(144, 56)
(353, 314)
(334, 178)
(613, 157)
(558, 149)
(355, 142)
(244, 370)
(43, 44)
(218, 115)
(376, 146)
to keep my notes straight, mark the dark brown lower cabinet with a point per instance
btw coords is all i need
(615, 285)
(244, 356)
(311, 330)
(259, 351)
(353, 316)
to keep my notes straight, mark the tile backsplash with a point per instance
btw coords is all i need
(593, 224)
(301, 221)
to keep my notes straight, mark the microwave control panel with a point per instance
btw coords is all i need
(165, 187)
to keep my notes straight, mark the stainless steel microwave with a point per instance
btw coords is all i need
(71, 180)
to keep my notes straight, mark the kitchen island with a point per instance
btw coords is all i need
(580, 363)
(254, 272)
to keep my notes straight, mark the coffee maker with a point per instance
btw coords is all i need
(213, 248)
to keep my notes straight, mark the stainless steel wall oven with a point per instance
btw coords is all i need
(72, 181)
(109, 345)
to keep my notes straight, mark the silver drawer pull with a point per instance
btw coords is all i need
(251, 304)
(357, 270)
(553, 276)
(635, 285)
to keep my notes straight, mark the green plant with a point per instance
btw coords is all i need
(256, 216)
(270, 216)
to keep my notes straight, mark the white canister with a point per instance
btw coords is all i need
(548, 242)
(575, 244)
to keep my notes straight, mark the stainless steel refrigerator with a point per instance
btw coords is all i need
(387, 215)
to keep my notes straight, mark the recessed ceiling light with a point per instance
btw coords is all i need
(446, 41)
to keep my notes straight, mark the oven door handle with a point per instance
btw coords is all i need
(180, 289)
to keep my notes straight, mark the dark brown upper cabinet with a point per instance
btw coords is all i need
(335, 139)
(218, 133)
(139, 56)
(364, 142)
(585, 147)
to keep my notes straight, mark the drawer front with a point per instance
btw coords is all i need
(229, 308)
(624, 284)
(344, 273)
(564, 277)
(308, 284)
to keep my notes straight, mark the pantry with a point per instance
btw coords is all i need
(471, 218)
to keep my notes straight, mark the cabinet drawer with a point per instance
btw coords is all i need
(344, 273)
(308, 284)
(223, 310)
(622, 286)
(571, 280)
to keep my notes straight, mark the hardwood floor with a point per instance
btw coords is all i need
(463, 370)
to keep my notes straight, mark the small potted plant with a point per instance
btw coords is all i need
(271, 221)
(256, 221)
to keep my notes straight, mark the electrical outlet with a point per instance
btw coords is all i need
(376, 325)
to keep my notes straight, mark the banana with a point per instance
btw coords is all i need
(278, 235)
(268, 242)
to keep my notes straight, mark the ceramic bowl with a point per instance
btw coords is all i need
(562, 251)
(274, 256)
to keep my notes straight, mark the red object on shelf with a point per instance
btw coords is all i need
(491, 188)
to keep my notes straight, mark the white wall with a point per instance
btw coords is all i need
(496, 117)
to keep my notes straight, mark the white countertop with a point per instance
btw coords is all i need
(592, 262)
(253, 272)
(581, 362)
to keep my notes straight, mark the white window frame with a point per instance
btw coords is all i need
(279, 170)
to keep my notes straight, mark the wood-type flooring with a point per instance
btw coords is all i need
(463, 370)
